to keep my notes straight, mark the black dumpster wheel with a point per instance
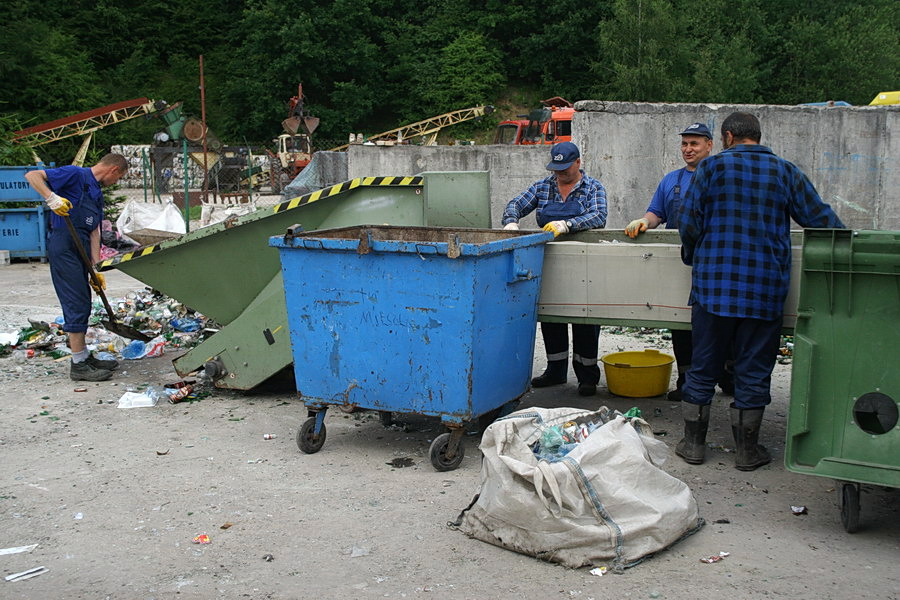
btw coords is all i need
(387, 417)
(307, 440)
(850, 507)
(438, 453)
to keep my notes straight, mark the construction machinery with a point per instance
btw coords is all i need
(293, 149)
(884, 98)
(550, 124)
(84, 124)
(427, 129)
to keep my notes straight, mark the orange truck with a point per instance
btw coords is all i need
(549, 124)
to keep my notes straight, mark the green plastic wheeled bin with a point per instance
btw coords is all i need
(845, 380)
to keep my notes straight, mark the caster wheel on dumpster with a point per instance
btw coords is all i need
(438, 453)
(387, 417)
(307, 440)
(850, 507)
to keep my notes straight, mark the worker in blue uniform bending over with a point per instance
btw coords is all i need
(568, 200)
(696, 144)
(735, 226)
(76, 192)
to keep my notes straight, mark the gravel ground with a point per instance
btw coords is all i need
(114, 497)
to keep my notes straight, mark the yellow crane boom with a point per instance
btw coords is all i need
(428, 128)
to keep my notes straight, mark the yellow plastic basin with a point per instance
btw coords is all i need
(638, 374)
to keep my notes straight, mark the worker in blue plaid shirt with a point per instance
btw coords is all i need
(567, 200)
(735, 233)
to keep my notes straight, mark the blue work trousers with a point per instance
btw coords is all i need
(755, 343)
(70, 279)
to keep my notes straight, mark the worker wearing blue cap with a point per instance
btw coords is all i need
(567, 200)
(696, 144)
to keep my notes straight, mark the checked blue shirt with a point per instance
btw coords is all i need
(589, 193)
(735, 225)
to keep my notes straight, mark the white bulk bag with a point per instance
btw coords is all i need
(150, 222)
(606, 502)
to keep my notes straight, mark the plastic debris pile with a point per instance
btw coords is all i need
(786, 351)
(558, 440)
(171, 325)
(112, 242)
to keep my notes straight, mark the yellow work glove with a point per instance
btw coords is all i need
(637, 226)
(556, 227)
(102, 281)
(511, 226)
(59, 205)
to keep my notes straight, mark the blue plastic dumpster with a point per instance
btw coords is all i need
(425, 320)
(23, 230)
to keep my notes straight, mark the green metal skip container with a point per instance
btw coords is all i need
(845, 379)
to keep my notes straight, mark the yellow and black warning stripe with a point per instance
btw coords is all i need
(105, 265)
(346, 186)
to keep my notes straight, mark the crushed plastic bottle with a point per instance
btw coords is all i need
(551, 439)
(156, 392)
(147, 398)
(185, 324)
(134, 350)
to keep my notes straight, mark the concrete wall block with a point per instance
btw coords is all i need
(512, 168)
(849, 154)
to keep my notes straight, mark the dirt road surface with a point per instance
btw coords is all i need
(113, 498)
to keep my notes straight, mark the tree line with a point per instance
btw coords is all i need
(370, 65)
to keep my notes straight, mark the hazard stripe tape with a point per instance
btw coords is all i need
(108, 264)
(346, 186)
(334, 190)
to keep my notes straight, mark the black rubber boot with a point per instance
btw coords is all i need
(676, 395)
(554, 375)
(692, 448)
(745, 423)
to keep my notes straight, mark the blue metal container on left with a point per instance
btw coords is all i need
(425, 320)
(23, 230)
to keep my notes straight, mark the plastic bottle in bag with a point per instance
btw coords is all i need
(551, 439)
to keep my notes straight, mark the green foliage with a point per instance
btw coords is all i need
(848, 53)
(371, 65)
(12, 155)
(468, 73)
(639, 54)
